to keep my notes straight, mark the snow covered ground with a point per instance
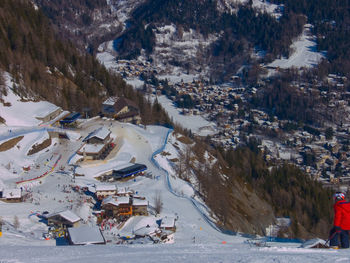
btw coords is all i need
(196, 123)
(304, 52)
(18, 112)
(229, 252)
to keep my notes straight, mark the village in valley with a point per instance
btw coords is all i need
(230, 119)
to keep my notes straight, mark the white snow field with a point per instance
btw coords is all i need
(201, 253)
(196, 123)
(304, 52)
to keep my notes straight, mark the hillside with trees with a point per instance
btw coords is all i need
(250, 194)
(239, 32)
(48, 67)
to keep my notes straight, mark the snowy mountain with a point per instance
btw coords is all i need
(206, 202)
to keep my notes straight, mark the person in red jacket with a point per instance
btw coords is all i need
(341, 223)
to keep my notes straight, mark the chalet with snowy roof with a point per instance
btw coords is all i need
(101, 135)
(98, 144)
(12, 195)
(139, 207)
(63, 219)
(117, 206)
(168, 223)
(102, 191)
(85, 235)
(125, 192)
(121, 109)
(51, 112)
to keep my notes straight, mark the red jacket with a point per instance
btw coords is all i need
(342, 215)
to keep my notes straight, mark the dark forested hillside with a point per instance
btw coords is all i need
(54, 68)
(260, 29)
(47, 65)
(331, 19)
(287, 189)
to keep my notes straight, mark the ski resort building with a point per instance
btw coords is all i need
(132, 170)
(101, 135)
(139, 207)
(121, 109)
(85, 235)
(117, 207)
(63, 219)
(98, 144)
(168, 223)
(103, 191)
(121, 207)
(11, 195)
(50, 113)
(70, 120)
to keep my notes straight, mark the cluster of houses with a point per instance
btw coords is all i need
(120, 204)
(224, 104)
(134, 68)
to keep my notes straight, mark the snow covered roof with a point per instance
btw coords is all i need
(139, 202)
(47, 110)
(116, 201)
(110, 101)
(168, 222)
(67, 214)
(92, 148)
(11, 193)
(101, 133)
(85, 235)
(145, 231)
(108, 187)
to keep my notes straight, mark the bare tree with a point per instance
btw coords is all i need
(158, 204)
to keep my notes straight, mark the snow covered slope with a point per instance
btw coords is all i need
(304, 52)
(18, 112)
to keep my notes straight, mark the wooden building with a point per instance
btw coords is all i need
(50, 113)
(139, 207)
(101, 135)
(168, 223)
(117, 206)
(63, 219)
(98, 144)
(103, 191)
(12, 195)
(121, 109)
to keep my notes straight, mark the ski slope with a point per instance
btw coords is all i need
(304, 52)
